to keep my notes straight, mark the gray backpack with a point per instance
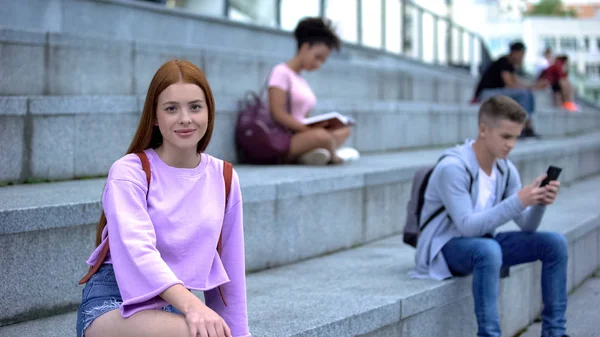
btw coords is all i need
(414, 226)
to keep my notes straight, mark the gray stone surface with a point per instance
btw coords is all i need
(123, 21)
(55, 326)
(263, 235)
(571, 269)
(514, 306)
(286, 181)
(12, 128)
(585, 261)
(392, 330)
(148, 57)
(582, 312)
(284, 231)
(26, 37)
(81, 62)
(234, 73)
(32, 14)
(453, 319)
(44, 270)
(22, 70)
(101, 139)
(313, 227)
(12, 145)
(13, 106)
(87, 66)
(53, 147)
(338, 295)
(384, 214)
(444, 122)
(68, 105)
(399, 125)
(222, 144)
(36, 207)
(136, 20)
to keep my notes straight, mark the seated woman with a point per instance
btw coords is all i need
(315, 145)
(174, 217)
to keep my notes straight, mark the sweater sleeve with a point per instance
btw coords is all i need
(235, 313)
(139, 269)
(530, 219)
(453, 183)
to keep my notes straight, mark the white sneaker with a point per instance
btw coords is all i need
(316, 157)
(348, 154)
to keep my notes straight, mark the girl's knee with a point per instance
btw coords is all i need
(346, 132)
(323, 137)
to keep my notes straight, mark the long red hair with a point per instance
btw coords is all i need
(148, 135)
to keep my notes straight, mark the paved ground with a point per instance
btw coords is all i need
(583, 316)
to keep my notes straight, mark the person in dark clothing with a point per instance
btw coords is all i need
(500, 78)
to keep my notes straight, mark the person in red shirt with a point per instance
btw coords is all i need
(557, 76)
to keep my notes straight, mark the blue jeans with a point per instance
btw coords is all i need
(522, 96)
(484, 257)
(100, 295)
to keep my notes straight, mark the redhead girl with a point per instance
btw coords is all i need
(164, 231)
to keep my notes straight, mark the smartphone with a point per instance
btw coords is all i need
(552, 174)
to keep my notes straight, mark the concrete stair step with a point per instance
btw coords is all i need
(66, 137)
(287, 213)
(135, 21)
(55, 63)
(366, 291)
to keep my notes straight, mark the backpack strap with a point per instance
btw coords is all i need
(93, 269)
(443, 208)
(507, 180)
(227, 174)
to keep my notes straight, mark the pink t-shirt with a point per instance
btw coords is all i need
(302, 96)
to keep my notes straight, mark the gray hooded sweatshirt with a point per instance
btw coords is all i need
(449, 186)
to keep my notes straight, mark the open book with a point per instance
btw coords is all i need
(334, 120)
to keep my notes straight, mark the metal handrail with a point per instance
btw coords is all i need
(475, 41)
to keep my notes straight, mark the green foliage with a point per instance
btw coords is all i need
(551, 8)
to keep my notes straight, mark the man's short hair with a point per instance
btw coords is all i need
(563, 58)
(501, 107)
(516, 47)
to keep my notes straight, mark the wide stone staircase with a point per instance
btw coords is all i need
(324, 254)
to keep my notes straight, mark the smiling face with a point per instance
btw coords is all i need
(182, 116)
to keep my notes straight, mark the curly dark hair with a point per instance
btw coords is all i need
(316, 30)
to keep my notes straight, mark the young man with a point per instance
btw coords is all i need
(544, 61)
(480, 190)
(557, 77)
(500, 78)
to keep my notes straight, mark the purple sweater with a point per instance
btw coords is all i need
(171, 238)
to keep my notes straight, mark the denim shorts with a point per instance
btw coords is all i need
(100, 295)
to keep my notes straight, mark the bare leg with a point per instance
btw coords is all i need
(303, 142)
(340, 136)
(147, 323)
(558, 99)
(566, 89)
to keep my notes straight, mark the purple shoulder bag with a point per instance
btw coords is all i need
(259, 139)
